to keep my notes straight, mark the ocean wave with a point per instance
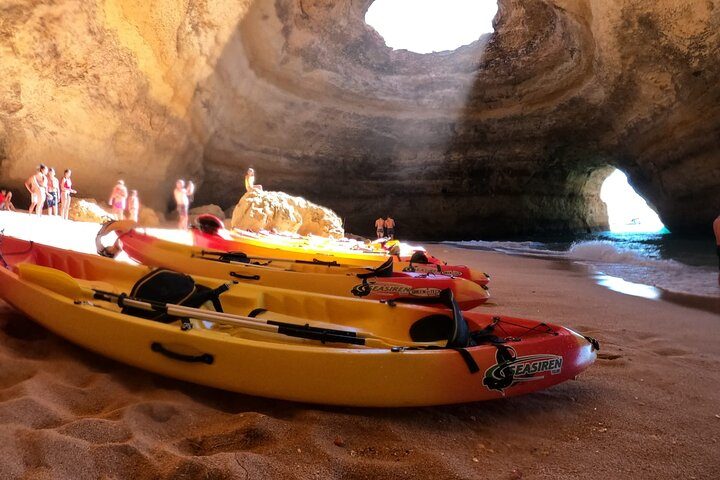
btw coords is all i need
(606, 251)
(638, 265)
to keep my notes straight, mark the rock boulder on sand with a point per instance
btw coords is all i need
(88, 210)
(279, 211)
(207, 209)
(149, 217)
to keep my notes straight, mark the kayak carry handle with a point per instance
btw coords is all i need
(206, 358)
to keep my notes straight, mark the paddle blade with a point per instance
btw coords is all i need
(52, 279)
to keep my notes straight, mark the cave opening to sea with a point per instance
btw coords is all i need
(427, 26)
(627, 211)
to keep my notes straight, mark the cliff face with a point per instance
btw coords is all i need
(513, 133)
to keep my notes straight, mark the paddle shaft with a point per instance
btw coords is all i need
(284, 328)
(272, 259)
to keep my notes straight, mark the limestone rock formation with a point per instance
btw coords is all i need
(147, 217)
(88, 210)
(278, 211)
(507, 135)
(207, 209)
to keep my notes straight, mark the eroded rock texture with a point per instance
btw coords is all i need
(511, 134)
(277, 211)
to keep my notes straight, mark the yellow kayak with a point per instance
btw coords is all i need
(210, 234)
(282, 344)
(346, 281)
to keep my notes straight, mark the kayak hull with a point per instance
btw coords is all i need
(255, 249)
(330, 280)
(307, 371)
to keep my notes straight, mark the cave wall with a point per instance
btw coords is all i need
(508, 135)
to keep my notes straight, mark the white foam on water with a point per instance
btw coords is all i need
(630, 265)
(527, 248)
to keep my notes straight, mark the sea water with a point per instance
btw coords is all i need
(663, 260)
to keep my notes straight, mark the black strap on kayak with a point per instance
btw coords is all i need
(324, 335)
(315, 261)
(384, 270)
(244, 277)
(469, 360)
(240, 257)
(257, 312)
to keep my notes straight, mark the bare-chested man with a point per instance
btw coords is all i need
(389, 227)
(380, 227)
(53, 192)
(182, 196)
(716, 229)
(37, 186)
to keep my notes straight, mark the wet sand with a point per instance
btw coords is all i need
(649, 408)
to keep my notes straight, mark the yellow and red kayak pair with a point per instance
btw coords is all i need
(286, 344)
(210, 233)
(377, 283)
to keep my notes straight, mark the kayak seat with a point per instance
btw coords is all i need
(436, 327)
(419, 257)
(167, 286)
(432, 328)
(209, 224)
(384, 270)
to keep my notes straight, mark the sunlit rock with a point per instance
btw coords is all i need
(88, 210)
(147, 217)
(278, 211)
(502, 136)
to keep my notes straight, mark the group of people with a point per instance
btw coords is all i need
(49, 192)
(385, 227)
(120, 202)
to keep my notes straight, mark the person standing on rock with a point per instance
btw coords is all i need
(716, 230)
(182, 196)
(250, 181)
(389, 227)
(37, 186)
(118, 199)
(65, 191)
(380, 227)
(134, 206)
(53, 193)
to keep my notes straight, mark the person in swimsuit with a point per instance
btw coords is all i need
(53, 193)
(716, 230)
(182, 196)
(380, 227)
(250, 181)
(37, 186)
(118, 199)
(7, 204)
(389, 227)
(134, 206)
(65, 191)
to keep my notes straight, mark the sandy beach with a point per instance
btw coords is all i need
(649, 408)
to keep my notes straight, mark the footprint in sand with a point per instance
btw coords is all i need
(608, 356)
(251, 437)
(97, 431)
(670, 352)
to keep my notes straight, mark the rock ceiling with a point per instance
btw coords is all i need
(511, 134)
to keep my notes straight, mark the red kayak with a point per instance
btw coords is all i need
(380, 283)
